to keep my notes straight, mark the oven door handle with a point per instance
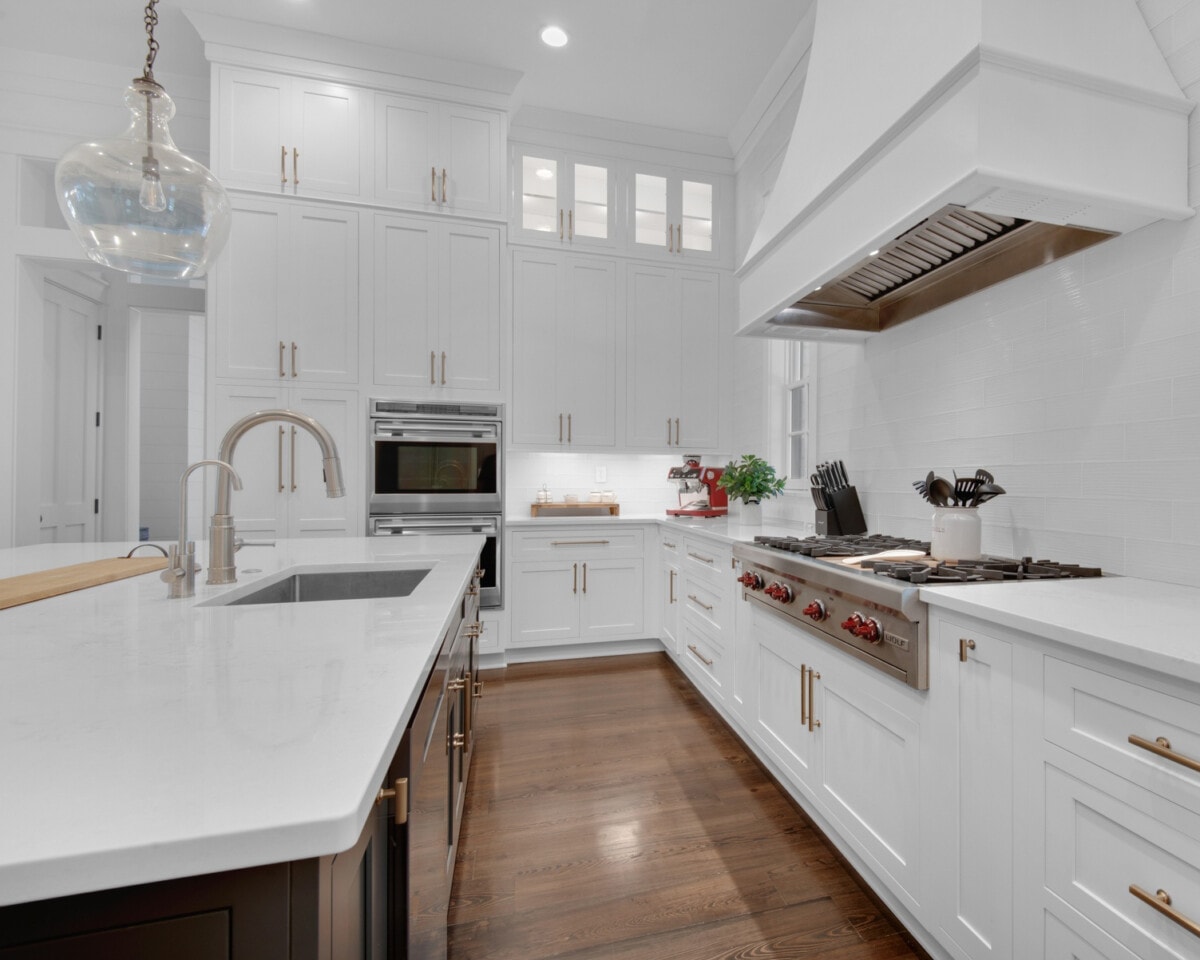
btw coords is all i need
(422, 525)
(397, 431)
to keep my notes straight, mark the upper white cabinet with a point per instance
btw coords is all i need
(563, 199)
(674, 358)
(564, 350)
(287, 134)
(443, 157)
(675, 215)
(285, 293)
(437, 305)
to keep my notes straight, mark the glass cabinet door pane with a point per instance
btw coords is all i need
(591, 201)
(696, 221)
(539, 194)
(650, 210)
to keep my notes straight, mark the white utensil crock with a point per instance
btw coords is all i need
(957, 533)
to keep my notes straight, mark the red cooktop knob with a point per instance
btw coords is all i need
(751, 580)
(815, 611)
(852, 622)
(869, 630)
(780, 592)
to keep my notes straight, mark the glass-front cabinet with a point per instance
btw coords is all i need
(564, 199)
(675, 215)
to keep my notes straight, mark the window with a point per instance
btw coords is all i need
(793, 365)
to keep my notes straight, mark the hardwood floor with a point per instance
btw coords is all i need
(612, 815)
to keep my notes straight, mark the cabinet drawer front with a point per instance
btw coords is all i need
(1063, 943)
(703, 658)
(1093, 715)
(672, 544)
(705, 602)
(576, 542)
(711, 561)
(1098, 845)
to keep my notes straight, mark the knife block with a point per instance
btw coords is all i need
(846, 517)
(827, 523)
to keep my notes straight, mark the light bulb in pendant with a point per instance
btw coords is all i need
(151, 196)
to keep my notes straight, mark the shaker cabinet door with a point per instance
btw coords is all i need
(323, 293)
(406, 302)
(470, 307)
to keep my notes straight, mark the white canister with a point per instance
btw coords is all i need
(957, 533)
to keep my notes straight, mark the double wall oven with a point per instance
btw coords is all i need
(437, 468)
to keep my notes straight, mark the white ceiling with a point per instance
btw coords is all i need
(688, 65)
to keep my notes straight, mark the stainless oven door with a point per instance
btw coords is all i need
(436, 466)
(491, 585)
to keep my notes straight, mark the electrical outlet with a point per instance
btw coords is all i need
(602, 474)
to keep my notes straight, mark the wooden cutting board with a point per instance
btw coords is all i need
(51, 583)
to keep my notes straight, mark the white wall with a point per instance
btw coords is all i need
(1077, 385)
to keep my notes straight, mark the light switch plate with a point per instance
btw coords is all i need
(602, 474)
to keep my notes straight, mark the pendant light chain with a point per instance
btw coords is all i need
(151, 22)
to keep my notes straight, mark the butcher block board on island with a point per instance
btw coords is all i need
(79, 576)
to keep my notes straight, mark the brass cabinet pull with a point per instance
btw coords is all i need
(295, 167)
(575, 578)
(560, 432)
(281, 459)
(432, 362)
(283, 164)
(455, 685)
(459, 741)
(671, 588)
(477, 690)
(560, 223)
(676, 431)
(469, 704)
(443, 368)
(668, 544)
(293, 459)
(443, 184)
(803, 696)
(578, 543)
(398, 791)
(1161, 901)
(568, 428)
(585, 577)
(433, 184)
(812, 704)
(699, 656)
(700, 557)
(695, 599)
(282, 347)
(570, 224)
(670, 238)
(295, 372)
(1161, 746)
(668, 431)
(963, 646)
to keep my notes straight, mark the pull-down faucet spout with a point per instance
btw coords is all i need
(221, 568)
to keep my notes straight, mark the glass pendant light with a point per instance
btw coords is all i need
(134, 201)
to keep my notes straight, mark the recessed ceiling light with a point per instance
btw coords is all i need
(554, 37)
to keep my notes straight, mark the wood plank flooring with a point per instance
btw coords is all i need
(612, 815)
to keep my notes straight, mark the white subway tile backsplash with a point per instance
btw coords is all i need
(1185, 396)
(1159, 560)
(1155, 11)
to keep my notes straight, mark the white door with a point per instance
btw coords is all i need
(252, 148)
(654, 356)
(311, 512)
(248, 284)
(537, 308)
(670, 609)
(545, 602)
(610, 599)
(781, 696)
(322, 293)
(699, 350)
(587, 347)
(405, 165)
(70, 417)
(406, 302)
(471, 156)
(324, 148)
(469, 272)
(261, 459)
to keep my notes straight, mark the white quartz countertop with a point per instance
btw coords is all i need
(1118, 617)
(717, 528)
(143, 738)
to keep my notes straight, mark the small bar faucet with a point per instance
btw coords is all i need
(221, 540)
(180, 575)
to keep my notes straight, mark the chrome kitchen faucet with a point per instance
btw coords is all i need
(221, 537)
(180, 575)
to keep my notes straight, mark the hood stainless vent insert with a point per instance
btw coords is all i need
(950, 255)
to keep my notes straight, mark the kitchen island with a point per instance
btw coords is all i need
(144, 739)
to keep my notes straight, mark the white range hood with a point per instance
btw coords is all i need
(1061, 113)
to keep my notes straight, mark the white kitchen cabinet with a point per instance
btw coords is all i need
(973, 793)
(564, 350)
(674, 348)
(576, 584)
(436, 305)
(287, 134)
(284, 300)
(841, 730)
(676, 215)
(670, 552)
(438, 156)
(563, 199)
(283, 489)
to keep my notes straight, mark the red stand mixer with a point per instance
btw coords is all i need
(699, 495)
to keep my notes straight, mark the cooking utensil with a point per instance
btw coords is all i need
(898, 554)
(983, 476)
(986, 492)
(964, 491)
(922, 489)
(941, 492)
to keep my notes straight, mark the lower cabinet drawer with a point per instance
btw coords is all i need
(1063, 943)
(705, 602)
(703, 658)
(707, 560)
(1094, 715)
(1100, 845)
(576, 542)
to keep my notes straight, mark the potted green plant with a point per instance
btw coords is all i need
(750, 480)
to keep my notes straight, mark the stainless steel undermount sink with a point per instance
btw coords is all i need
(310, 586)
